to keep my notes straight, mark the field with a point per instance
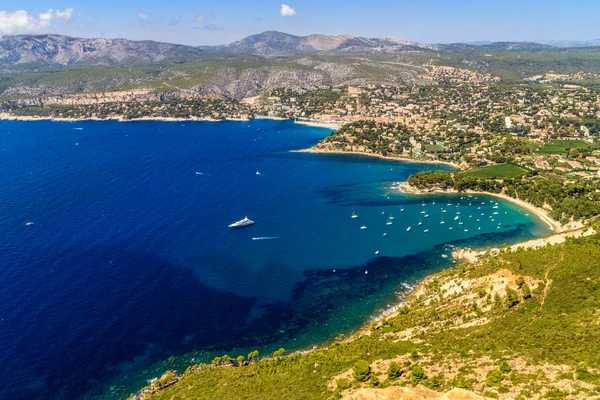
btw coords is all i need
(496, 171)
(562, 146)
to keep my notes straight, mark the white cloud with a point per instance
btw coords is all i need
(142, 15)
(287, 11)
(64, 15)
(21, 21)
(200, 18)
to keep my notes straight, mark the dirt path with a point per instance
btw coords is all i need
(549, 281)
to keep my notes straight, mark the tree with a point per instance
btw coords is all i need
(374, 380)
(504, 367)
(417, 374)
(394, 371)
(252, 355)
(436, 381)
(279, 353)
(512, 298)
(362, 371)
(240, 360)
(520, 282)
(494, 378)
(216, 361)
(526, 291)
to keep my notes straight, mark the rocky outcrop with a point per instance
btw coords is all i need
(409, 393)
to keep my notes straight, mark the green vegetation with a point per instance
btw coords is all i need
(564, 146)
(496, 171)
(493, 351)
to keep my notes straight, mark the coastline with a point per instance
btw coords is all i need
(360, 153)
(540, 212)
(316, 123)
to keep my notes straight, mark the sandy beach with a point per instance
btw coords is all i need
(359, 153)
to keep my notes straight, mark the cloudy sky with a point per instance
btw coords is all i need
(202, 22)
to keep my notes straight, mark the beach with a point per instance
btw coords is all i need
(360, 153)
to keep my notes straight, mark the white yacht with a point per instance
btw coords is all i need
(241, 223)
(354, 216)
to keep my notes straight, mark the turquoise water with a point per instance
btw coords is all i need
(129, 268)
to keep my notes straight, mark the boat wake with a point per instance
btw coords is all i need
(265, 238)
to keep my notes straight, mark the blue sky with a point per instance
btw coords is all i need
(218, 22)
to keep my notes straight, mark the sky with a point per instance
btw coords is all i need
(196, 22)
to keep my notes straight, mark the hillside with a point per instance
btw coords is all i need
(520, 325)
(26, 52)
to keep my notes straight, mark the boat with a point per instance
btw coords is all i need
(426, 230)
(420, 223)
(433, 203)
(28, 223)
(388, 223)
(444, 211)
(495, 213)
(242, 223)
(363, 227)
(422, 212)
(384, 233)
(466, 230)
(354, 216)
(383, 213)
(408, 229)
(257, 173)
(377, 252)
(401, 209)
(391, 216)
(442, 221)
(423, 204)
(265, 238)
(456, 218)
(444, 256)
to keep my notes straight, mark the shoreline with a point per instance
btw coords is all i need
(555, 226)
(360, 153)
(315, 123)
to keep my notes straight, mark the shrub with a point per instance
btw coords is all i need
(394, 371)
(512, 298)
(417, 374)
(504, 367)
(362, 371)
(494, 378)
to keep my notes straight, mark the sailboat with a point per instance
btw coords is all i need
(442, 221)
(426, 230)
(28, 222)
(460, 222)
(456, 218)
(408, 229)
(354, 216)
(385, 233)
(433, 203)
(420, 223)
(401, 208)
(363, 227)
(391, 216)
(388, 223)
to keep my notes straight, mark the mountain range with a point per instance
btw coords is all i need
(27, 52)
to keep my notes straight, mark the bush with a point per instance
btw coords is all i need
(512, 298)
(374, 380)
(417, 375)
(494, 378)
(394, 371)
(436, 381)
(504, 367)
(362, 371)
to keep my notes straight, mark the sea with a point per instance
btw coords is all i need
(117, 263)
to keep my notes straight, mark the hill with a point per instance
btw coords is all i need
(518, 325)
(57, 51)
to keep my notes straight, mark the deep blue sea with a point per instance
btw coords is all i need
(127, 267)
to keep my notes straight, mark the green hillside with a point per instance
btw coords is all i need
(520, 325)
